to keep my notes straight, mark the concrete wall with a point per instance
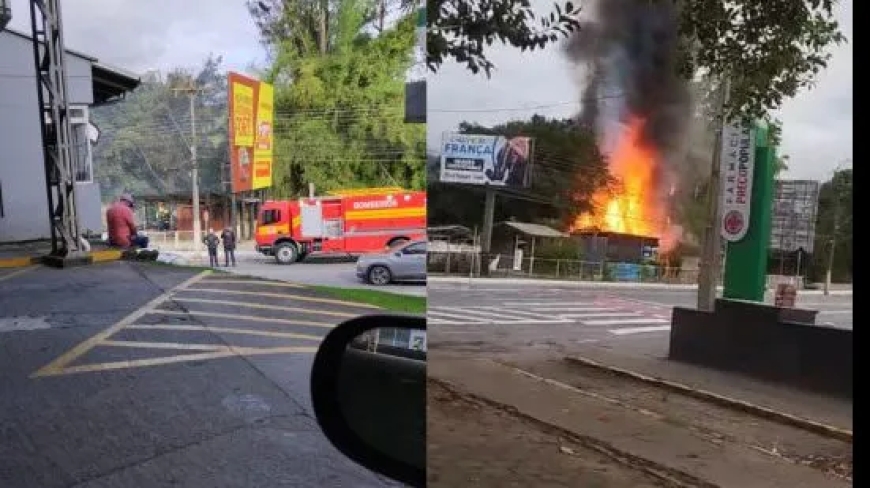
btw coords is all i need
(22, 173)
(779, 345)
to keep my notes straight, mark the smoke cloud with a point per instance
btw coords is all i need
(628, 50)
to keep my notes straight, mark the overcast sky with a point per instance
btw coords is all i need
(817, 124)
(160, 34)
(156, 34)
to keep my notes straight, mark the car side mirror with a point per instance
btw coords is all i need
(368, 388)
(398, 254)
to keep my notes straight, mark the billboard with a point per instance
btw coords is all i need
(795, 204)
(486, 160)
(250, 132)
(738, 165)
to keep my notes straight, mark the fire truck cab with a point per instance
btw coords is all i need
(345, 223)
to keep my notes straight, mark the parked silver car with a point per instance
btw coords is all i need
(403, 262)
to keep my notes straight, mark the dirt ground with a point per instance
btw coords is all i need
(718, 423)
(478, 445)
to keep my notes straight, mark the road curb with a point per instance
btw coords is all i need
(101, 256)
(18, 262)
(670, 476)
(594, 284)
(728, 402)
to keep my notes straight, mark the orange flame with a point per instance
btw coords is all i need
(633, 206)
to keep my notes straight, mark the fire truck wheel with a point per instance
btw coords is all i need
(380, 275)
(286, 253)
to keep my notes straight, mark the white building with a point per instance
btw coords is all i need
(24, 212)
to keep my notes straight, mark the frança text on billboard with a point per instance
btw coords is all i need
(486, 160)
(250, 132)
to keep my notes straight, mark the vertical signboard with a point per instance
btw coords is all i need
(251, 120)
(738, 164)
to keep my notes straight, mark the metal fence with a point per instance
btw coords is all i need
(182, 240)
(500, 265)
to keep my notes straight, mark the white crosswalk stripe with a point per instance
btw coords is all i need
(619, 320)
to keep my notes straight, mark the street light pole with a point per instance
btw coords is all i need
(710, 264)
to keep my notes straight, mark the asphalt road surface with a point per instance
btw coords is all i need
(313, 271)
(516, 319)
(125, 374)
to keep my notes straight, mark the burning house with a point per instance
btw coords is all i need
(640, 109)
(617, 247)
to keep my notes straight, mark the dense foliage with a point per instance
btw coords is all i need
(834, 228)
(339, 72)
(339, 77)
(144, 143)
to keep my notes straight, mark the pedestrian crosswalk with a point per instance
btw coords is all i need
(620, 318)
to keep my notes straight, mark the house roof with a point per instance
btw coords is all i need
(535, 230)
(109, 83)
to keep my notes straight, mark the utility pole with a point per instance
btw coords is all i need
(67, 246)
(191, 90)
(710, 264)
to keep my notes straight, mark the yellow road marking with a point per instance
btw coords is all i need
(255, 282)
(227, 330)
(16, 262)
(13, 274)
(139, 363)
(65, 359)
(301, 298)
(265, 307)
(166, 345)
(252, 318)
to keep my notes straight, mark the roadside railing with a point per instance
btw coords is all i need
(503, 266)
(182, 240)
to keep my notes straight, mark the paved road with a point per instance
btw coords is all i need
(126, 374)
(502, 319)
(313, 271)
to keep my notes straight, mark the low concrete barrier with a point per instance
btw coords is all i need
(765, 342)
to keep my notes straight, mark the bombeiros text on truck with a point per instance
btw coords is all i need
(345, 222)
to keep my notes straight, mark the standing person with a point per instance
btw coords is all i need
(211, 241)
(229, 239)
(121, 224)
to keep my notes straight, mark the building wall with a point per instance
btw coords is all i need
(22, 173)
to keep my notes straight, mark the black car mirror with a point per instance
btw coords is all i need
(399, 254)
(368, 387)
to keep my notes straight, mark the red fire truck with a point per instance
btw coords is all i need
(345, 222)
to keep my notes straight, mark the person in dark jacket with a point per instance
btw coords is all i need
(211, 241)
(229, 239)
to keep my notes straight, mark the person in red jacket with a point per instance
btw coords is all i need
(121, 223)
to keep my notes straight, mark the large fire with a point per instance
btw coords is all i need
(633, 205)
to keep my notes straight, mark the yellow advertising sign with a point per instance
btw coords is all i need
(264, 137)
(243, 114)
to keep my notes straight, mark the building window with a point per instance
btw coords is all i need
(82, 153)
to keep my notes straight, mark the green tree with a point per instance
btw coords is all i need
(340, 106)
(567, 169)
(769, 49)
(834, 227)
(144, 145)
(462, 30)
(774, 137)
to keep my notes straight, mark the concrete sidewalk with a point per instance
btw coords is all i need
(806, 405)
(641, 436)
(839, 289)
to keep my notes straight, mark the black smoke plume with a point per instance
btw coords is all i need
(629, 51)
